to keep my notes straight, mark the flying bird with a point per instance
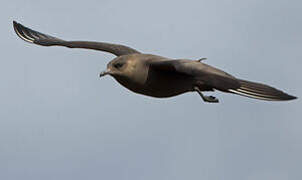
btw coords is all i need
(158, 76)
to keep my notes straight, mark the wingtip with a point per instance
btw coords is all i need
(292, 97)
(17, 31)
(21, 32)
(287, 97)
(15, 25)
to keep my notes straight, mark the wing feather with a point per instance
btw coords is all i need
(36, 37)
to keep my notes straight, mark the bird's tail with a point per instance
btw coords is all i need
(260, 91)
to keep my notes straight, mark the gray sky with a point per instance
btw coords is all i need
(60, 121)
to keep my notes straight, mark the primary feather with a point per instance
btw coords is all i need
(260, 91)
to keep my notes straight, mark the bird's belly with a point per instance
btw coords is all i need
(159, 90)
(163, 86)
(166, 89)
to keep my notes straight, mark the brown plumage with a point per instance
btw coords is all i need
(158, 76)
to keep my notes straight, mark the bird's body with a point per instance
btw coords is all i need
(158, 76)
(152, 82)
(163, 82)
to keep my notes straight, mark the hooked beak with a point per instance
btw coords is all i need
(104, 73)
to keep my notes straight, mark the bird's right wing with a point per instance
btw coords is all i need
(217, 79)
(36, 37)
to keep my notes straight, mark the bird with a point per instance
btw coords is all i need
(158, 76)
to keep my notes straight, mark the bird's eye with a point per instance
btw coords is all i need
(118, 65)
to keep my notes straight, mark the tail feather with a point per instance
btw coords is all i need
(260, 91)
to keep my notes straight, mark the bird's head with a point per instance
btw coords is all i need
(116, 67)
(128, 67)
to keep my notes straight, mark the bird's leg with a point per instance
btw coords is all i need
(211, 99)
(201, 59)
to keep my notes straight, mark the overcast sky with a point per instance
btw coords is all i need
(59, 121)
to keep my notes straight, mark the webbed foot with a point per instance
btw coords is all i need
(210, 99)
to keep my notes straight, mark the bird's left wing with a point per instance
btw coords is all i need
(203, 73)
(36, 37)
